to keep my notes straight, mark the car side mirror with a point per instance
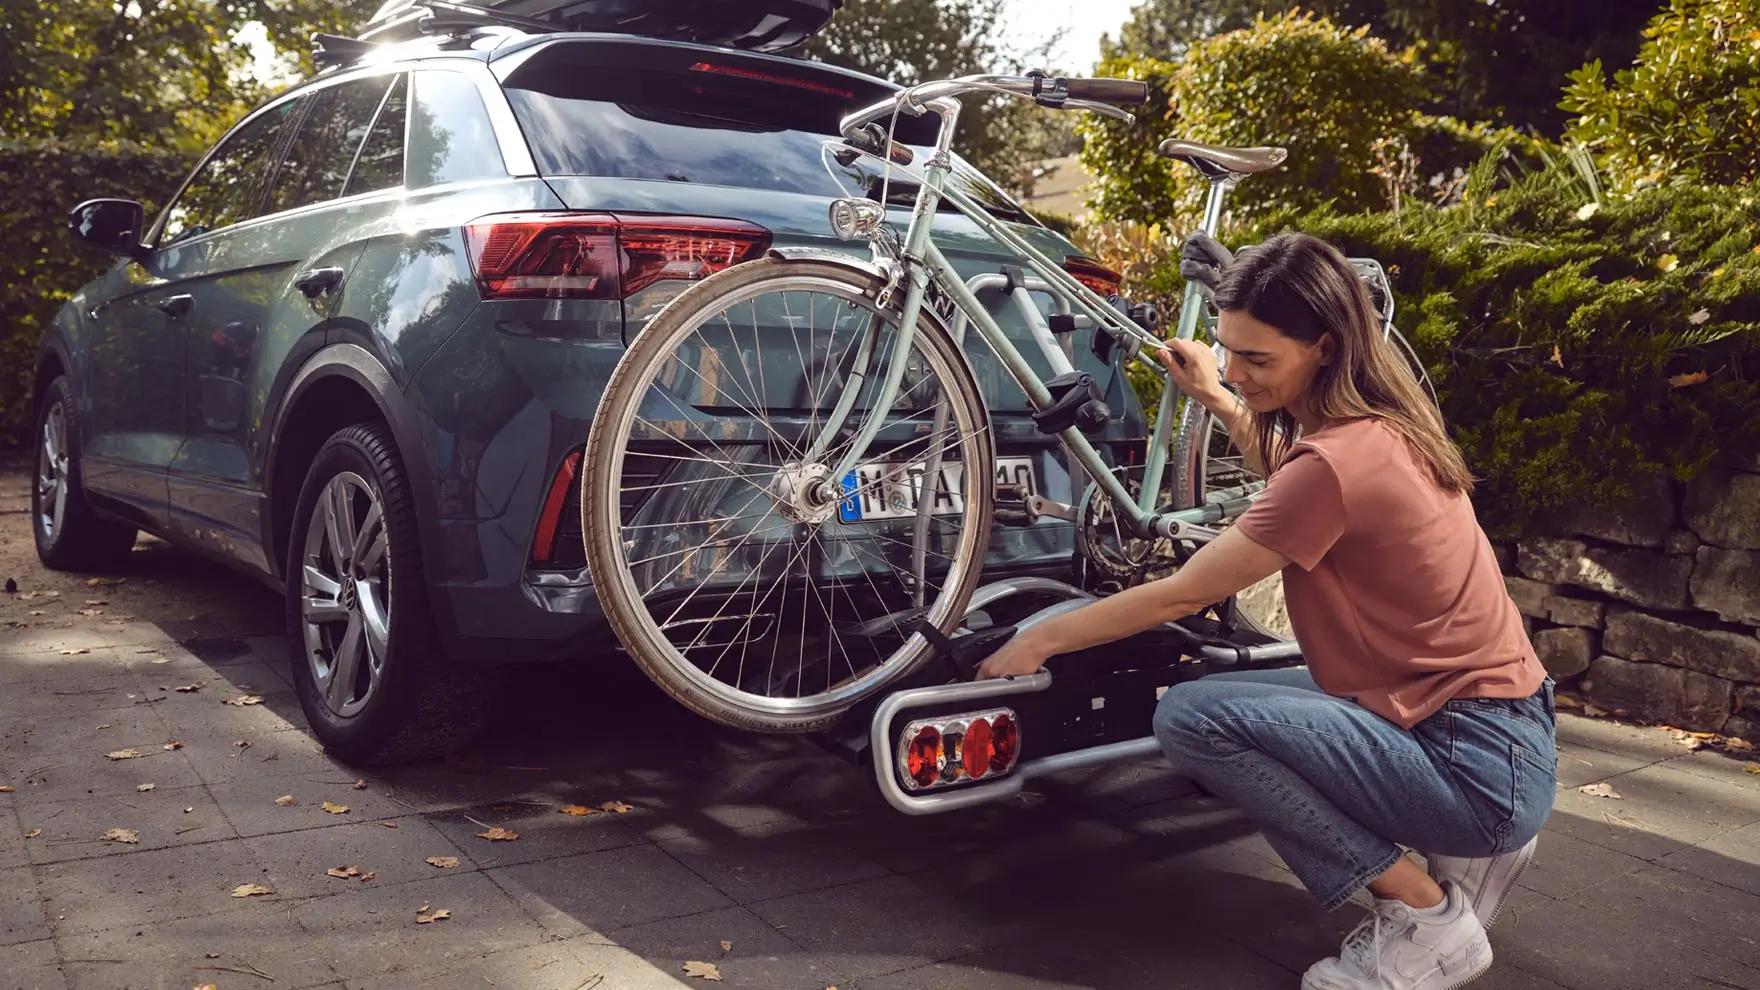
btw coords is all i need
(113, 225)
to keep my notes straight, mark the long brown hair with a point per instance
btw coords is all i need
(1306, 289)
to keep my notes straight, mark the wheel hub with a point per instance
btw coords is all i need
(804, 493)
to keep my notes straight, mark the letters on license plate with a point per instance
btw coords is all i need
(893, 491)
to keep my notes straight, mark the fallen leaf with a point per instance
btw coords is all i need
(1668, 262)
(577, 810)
(123, 754)
(1690, 378)
(1752, 768)
(91, 611)
(33, 833)
(618, 807)
(106, 725)
(143, 788)
(1587, 210)
(1566, 702)
(1593, 711)
(1736, 743)
(343, 872)
(244, 699)
(5, 788)
(74, 653)
(242, 743)
(388, 824)
(127, 836)
(250, 890)
(1604, 790)
(96, 601)
(360, 785)
(424, 917)
(188, 810)
(104, 582)
(369, 875)
(726, 945)
(498, 834)
(188, 688)
(444, 862)
(702, 970)
(334, 808)
(161, 660)
(173, 744)
(287, 800)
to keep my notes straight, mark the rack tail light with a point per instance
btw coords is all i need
(601, 256)
(958, 749)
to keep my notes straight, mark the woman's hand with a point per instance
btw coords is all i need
(1198, 376)
(1020, 655)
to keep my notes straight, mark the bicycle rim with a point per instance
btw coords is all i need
(738, 592)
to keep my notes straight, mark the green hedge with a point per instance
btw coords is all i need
(40, 264)
(1575, 344)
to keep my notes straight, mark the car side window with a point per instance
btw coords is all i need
(450, 137)
(331, 129)
(380, 165)
(228, 188)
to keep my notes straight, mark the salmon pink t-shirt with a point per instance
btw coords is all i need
(1392, 588)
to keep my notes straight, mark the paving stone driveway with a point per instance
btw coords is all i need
(1117, 879)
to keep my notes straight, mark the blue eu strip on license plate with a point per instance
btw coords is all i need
(850, 509)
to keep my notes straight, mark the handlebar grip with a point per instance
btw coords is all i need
(1119, 92)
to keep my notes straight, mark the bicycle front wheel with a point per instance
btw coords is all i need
(745, 580)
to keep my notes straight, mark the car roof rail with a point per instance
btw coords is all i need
(332, 50)
(442, 17)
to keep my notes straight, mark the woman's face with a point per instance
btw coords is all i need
(1269, 370)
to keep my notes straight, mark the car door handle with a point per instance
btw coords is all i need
(176, 306)
(315, 282)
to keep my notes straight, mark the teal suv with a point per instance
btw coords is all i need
(357, 356)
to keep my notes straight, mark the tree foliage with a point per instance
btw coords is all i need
(1688, 109)
(1238, 89)
(913, 41)
(1500, 61)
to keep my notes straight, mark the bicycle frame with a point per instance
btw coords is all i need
(922, 265)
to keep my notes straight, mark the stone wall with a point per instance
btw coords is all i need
(1655, 610)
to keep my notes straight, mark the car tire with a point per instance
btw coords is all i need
(70, 536)
(367, 665)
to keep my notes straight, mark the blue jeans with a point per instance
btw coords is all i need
(1337, 789)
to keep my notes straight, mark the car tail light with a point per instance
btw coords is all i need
(544, 545)
(1104, 281)
(958, 749)
(600, 256)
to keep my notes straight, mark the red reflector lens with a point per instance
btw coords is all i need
(1095, 276)
(778, 78)
(544, 546)
(1005, 742)
(598, 256)
(978, 750)
(923, 760)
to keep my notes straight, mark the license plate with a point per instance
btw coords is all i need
(894, 490)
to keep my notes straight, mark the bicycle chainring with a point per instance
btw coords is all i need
(1104, 541)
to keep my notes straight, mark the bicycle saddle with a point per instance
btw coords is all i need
(1216, 161)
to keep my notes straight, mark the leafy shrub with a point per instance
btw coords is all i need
(41, 265)
(1326, 93)
(1688, 109)
(1574, 345)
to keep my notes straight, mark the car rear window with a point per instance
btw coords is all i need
(682, 115)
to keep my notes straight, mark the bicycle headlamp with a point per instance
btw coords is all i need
(856, 219)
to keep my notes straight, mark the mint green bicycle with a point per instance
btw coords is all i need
(794, 466)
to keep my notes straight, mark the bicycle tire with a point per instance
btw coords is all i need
(602, 506)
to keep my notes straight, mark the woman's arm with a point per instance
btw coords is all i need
(1220, 568)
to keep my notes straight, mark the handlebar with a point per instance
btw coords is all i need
(1097, 95)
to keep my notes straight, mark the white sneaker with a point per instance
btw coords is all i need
(1396, 948)
(1486, 880)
